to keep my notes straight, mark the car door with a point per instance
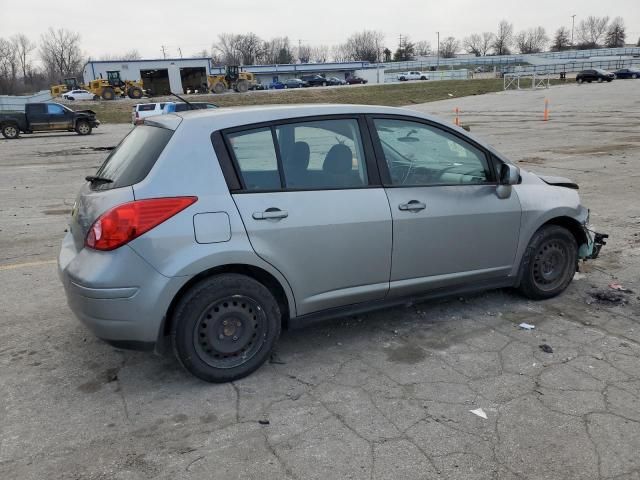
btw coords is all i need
(313, 208)
(449, 225)
(60, 118)
(37, 116)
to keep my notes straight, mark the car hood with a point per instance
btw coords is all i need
(558, 181)
(86, 112)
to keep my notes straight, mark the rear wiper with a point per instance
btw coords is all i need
(96, 179)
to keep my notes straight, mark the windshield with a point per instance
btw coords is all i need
(131, 161)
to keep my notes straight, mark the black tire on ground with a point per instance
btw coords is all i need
(242, 86)
(83, 127)
(549, 263)
(96, 97)
(588, 81)
(218, 87)
(108, 93)
(10, 131)
(135, 93)
(225, 327)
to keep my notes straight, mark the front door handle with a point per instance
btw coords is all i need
(412, 206)
(270, 213)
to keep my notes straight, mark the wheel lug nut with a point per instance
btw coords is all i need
(238, 324)
(224, 322)
(221, 337)
(235, 338)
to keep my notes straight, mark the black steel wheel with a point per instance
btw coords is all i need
(549, 262)
(225, 327)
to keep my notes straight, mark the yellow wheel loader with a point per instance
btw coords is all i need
(233, 78)
(64, 87)
(113, 86)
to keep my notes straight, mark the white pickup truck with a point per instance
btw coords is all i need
(406, 76)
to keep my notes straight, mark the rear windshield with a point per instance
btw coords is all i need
(131, 161)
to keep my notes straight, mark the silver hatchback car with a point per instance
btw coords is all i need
(216, 229)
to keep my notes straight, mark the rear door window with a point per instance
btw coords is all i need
(256, 158)
(131, 161)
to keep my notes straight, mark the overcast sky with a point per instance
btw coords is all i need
(193, 25)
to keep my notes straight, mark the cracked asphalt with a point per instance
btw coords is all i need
(381, 396)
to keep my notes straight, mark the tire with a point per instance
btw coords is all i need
(549, 263)
(96, 97)
(218, 87)
(83, 127)
(634, 76)
(242, 86)
(108, 93)
(203, 341)
(600, 80)
(286, 86)
(324, 84)
(70, 98)
(10, 131)
(135, 93)
(579, 80)
(588, 81)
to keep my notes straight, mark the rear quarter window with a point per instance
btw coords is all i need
(147, 107)
(132, 160)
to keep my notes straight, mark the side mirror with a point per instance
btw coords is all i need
(509, 175)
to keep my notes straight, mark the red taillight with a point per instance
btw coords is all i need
(123, 223)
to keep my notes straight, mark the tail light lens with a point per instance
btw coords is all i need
(121, 224)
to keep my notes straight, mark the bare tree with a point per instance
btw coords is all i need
(228, 49)
(406, 50)
(503, 39)
(8, 67)
(60, 52)
(304, 53)
(591, 31)
(277, 50)
(423, 48)
(320, 53)
(339, 53)
(616, 34)
(23, 48)
(533, 40)
(472, 44)
(561, 40)
(449, 47)
(364, 46)
(130, 55)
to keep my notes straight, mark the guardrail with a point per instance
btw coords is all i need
(574, 66)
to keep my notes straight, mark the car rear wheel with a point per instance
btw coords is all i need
(635, 75)
(549, 263)
(83, 127)
(10, 131)
(579, 80)
(600, 80)
(225, 327)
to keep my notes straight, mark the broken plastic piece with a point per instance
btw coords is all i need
(546, 348)
(479, 412)
(526, 326)
(617, 286)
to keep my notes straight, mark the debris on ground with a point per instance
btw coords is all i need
(620, 288)
(546, 348)
(526, 326)
(275, 359)
(579, 276)
(607, 297)
(479, 412)
(263, 422)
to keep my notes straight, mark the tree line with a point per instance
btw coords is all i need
(27, 66)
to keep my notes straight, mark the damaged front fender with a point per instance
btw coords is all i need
(595, 242)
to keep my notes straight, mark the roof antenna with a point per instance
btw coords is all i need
(191, 105)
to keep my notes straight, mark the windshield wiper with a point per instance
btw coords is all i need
(97, 179)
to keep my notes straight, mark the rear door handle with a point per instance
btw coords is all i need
(412, 206)
(270, 213)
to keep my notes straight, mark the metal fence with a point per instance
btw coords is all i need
(17, 103)
(574, 66)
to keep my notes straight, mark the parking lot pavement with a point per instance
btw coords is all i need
(386, 395)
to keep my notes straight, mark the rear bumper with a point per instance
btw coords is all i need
(117, 295)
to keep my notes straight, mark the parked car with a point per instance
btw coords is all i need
(295, 83)
(80, 95)
(335, 81)
(406, 76)
(144, 110)
(315, 80)
(47, 117)
(286, 221)
(627, 73)
(257, 86)
(594, 75)
(354, 79)
(275, 86)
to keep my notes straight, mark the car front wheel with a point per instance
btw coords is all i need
(10, 131)
(225, 327)
(549, 263)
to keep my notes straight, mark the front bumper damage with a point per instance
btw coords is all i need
(595, 242)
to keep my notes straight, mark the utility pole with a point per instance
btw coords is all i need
(180, 50)
(573, 21)
(164, 52)
(438, 52)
